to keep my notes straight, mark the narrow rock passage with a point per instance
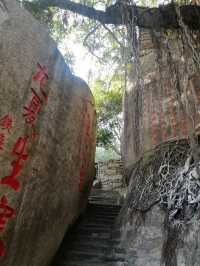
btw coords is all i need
(93, 241)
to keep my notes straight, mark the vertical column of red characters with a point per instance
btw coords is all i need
(20, 149)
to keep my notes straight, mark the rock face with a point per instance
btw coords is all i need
(148, 241)
(47, 141)
(159, 117)
(156, 112)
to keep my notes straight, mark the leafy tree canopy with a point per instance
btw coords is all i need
(109, 112)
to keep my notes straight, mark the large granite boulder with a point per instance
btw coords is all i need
(47, 141)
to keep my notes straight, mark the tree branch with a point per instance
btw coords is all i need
(80, 9)
(113, 35)
(90, 33)
(152, 18)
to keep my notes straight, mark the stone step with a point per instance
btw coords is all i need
(91, 210)
(94, 213)
(98, 215)
(95, 200)
(91, 229)
(80, 263)
(87, 253)
(99, 220)
(88, 263)
(105, 206)
(101, 224)
(102, 212)
(92, 256)
(96, 248)
(98, 223)
(95, 235)
(90, 246)
(94, 241)
(98, 232)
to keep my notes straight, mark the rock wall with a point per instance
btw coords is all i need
(160, 116)
(155, 113)
(148, 240)
(159, 221)
(47, 141)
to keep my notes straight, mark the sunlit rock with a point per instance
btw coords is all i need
(47, 141)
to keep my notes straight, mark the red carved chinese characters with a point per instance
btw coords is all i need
(34, 135)
(83, 147)
(81, 178)
(19, 149)
(2, 140)
(87, 126)
(162, 117)
(154, 133)
(41, 77)
(6, 213)
(6, 123)
(172, 113)
(32, 109)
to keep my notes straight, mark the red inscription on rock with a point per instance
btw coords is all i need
(172, 115)
(41, 77)
(87, 126)
(6, 123)
(34, 135)
(2, 140)
(81, 178)
(83, 146)
(154, 129)
(19, 149)
(6, 213)
(31, 112)
(32, 109)
(162, 117)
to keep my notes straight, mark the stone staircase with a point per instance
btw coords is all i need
(94, 241)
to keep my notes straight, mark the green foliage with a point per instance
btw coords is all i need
(103, 154)
(53, 17)
(109, 111)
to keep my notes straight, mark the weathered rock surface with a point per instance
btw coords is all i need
(156, 111)
(47, 141)
(159, 118)
(148, 241)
